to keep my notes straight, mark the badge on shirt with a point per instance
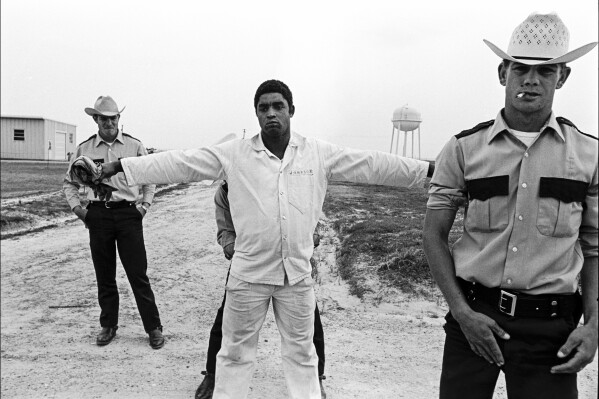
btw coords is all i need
(302, 172)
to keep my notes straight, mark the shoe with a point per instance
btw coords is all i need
(156, 338)
(106, 335)
(206, 388)
(323, 394)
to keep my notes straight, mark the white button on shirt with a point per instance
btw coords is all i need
(275, 214)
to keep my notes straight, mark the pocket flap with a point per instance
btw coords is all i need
(488, 187)
(565, 190)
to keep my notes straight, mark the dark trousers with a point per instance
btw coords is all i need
(529, 354)
(216, 336)
(109, 230)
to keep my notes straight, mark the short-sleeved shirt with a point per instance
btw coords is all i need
(531, 212)
(124, 146)
(275, 203)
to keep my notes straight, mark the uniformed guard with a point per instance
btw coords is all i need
(528, 181)
(116, 223)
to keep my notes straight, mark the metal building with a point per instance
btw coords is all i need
(30, 137)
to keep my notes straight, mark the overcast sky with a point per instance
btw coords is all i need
(187, 72)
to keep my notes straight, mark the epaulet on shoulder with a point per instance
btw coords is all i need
(480, 126)
(131, 137)
(88, 139)
(563, 121)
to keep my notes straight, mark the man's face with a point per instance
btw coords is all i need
(274, 115)
(530, 88)
(107, 126)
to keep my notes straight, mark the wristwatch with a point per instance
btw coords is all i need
(146, 208)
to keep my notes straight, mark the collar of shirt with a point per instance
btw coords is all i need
(99, 140)
(500, 125)
(258, 143)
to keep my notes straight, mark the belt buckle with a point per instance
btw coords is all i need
(511, 298)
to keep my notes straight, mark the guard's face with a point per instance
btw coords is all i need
(107, 126)
(530, 88)
(274, 115)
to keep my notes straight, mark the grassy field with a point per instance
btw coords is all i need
(380, 229)
(20, 178)
(28, 179)
(38, 188)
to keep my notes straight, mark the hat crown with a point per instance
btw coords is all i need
(106, 104)
(540, 36)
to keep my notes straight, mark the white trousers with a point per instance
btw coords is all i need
(245, 310)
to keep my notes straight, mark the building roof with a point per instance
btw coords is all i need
(34, 117)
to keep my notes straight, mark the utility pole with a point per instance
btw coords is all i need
(243, 134)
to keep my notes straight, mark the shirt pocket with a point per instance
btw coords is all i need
(300, 188)
(560, 206)
(488, 204)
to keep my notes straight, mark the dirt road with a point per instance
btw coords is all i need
(50, 320)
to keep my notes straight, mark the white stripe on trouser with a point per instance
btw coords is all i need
(245, 310)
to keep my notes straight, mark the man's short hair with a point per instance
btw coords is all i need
(274, 86)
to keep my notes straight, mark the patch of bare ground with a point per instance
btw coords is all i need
(386, 344)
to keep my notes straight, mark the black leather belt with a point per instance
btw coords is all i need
(518, 304)
(112, 204)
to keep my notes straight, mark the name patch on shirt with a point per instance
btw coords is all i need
(302, 172)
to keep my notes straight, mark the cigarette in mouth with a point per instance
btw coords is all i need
(520, 95)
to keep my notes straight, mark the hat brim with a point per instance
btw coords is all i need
(93, 111)
(568, 57)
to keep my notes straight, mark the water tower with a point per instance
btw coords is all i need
(406, 120)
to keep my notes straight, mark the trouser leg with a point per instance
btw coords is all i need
(529, 355)
(103, 251)
(531, 352)
(294, 313)
(246, 305)
(464, 374)
(132, 251)
(216, 336)
(319, 340)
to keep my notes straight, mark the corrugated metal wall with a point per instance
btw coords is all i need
(40, 139)
(30, 148)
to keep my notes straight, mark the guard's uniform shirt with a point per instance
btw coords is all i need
(531, 212)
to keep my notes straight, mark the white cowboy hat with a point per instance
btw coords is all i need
(540, 39)
(104, 105)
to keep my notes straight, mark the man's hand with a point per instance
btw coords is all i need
(229, 250)
(110, 169)
(479, 330)
(316, 239)
(80, 212)
(583, 341)
(141, 210)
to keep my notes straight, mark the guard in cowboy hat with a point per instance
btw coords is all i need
(116, 223)
(528, 182)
